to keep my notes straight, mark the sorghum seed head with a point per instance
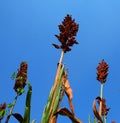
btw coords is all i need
(102, 71)
(21, 76)
(68, 30)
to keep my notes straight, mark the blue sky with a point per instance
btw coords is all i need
(27, 31)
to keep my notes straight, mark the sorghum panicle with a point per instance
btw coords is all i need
(102, 71)
(21, 77)
(68, 30)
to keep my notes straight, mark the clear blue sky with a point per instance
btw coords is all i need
(27, 29)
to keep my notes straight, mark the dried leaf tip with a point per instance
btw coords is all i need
(102, 71)
(21, 77)
(68, 31)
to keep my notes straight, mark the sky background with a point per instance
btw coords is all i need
(27, 29)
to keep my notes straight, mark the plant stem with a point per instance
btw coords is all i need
(58, 70)
(101, 96)
(56, 82)
(104, 119)
(14, 102)
(59, 65)
(11, 110)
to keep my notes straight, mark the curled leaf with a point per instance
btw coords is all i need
(104, 108)
(66, 112)
(96, 113)
(18, 117)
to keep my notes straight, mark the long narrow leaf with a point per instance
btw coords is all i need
(53, 100)
(58, 88)
(89, 119)
(28, 105)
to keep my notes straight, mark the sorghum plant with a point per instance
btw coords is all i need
(68, 31)
(102, 72)
(20, 82)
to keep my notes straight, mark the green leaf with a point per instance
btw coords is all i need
(89, 120)
(53, 94)
(95, 120)
(28, 105)
(10, 105)
(58, 88)
(20, 90)
(2, 113)
(13, 76)
(33, 121)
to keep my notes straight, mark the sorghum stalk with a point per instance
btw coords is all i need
(101, 96)
(58, 69)
(57, 87)
(14, 102)
(11, 110)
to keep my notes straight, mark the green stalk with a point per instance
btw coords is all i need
(101, 90)
(14, 102)
(104, 119)
(12, 107)
(101, 96)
